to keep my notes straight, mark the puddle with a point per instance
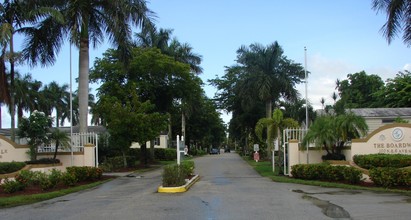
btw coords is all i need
(329, 209)
(134, 175)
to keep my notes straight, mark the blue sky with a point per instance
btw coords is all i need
(341, 37)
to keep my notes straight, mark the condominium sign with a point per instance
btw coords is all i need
(389, 139)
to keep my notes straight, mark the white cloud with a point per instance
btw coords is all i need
(407, 67)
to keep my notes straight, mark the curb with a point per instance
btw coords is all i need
(179, 189)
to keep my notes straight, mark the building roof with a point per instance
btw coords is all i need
(382, 112)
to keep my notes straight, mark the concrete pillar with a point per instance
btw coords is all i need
(293, 154)
(89, 155)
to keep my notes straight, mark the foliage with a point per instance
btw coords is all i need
(390, 177)
(397, 91)
(11, 186)
(175, 175)
(35, 129)
(10, 167)
(85, 173)
(382, 160)
(398, 18)
(358, 91)
(69, 179)
(165, 154)
(326, 172)
(44, 161)
(332, 132)
(25, 177)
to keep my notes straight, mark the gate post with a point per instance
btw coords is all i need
(293, 154)
(89, 155)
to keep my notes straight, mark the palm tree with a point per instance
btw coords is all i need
(15, 17)
(398, 17)
(270, 74)
(60, 138)
(334, 97)
(331, 133)
(274, 125)
(322, 101)
(26, 94)
(55, 96)
(87, 22)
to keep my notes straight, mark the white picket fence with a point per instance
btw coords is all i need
(78, 140)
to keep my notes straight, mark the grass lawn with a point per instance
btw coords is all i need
(264, 168)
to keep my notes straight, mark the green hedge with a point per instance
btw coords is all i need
(165, 154)
(10, 167)
(175, 175)
(382, 160)
(326, 172)
(390, 177)
(85, 173)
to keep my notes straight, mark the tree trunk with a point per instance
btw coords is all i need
(123, 153)
(143, 155)
(152, 149)
(83, 86)
(55, 150)
(170, 134)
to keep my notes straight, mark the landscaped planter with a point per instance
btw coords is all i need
(179, 189)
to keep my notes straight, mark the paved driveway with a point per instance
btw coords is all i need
(228, 189)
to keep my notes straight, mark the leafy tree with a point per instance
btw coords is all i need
(129, 120)
(397, 91)
(358, 91)
(332, 132)
(398, 18)
(87, 22)
(35, 129)
(26, 94)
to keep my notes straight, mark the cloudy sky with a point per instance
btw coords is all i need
(341, 37)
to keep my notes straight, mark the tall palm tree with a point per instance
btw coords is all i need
(270, 74)
(322, 101)
(26, 94)
(87, 22)
(55, 96)
(398, 18)
(15, 17)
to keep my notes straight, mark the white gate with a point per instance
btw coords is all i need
(291, 134)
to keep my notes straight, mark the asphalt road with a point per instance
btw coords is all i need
(228, 189)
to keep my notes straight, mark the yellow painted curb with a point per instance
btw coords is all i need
(179, 189)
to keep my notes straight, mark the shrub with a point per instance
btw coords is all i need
(44, 161)
(10, 167)
(326, 172)
(11, 186)
(86, 173)
(389, 176)
(69, 179)
(175, 175)
(382, 160)
(25, 177)
(165, 154)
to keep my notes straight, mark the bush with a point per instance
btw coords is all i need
(11, 186)
(69, 179)
(44, 161)
(165, 154)
(326, 172)
(175, 175)
(382, 160)
(86, 173)
(389, 176)
(10, 167)
(25, 177)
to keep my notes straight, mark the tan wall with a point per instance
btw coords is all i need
(10, 151)
(163, 143)
(385, 140)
